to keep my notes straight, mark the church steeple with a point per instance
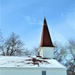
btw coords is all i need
(46, 47)
(46, 38)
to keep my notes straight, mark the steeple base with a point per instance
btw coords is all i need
(46, 52)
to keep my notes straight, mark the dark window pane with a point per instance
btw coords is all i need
(43, 72)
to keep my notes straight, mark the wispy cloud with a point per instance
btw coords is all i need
(26, 16)
(70, 20)
(32, 21)
(11, 6)
(64, 30)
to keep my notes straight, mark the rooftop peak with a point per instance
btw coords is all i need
(44, 23)
(46, 38)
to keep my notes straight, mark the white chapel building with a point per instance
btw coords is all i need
(43, 64)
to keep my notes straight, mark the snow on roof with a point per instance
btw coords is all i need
(16, 61)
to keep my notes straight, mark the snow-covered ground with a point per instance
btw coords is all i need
(16, 61)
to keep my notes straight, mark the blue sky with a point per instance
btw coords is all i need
(25, 18)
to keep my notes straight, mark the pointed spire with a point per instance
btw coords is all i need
(46, 38)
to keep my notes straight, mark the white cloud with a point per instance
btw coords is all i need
(32, 21)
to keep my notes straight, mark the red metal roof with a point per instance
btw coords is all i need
(46, 38)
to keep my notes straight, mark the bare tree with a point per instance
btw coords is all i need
(71, 63)
(1, 44)
(13, 45)
(66, 56)
(35, 51)
(59, 52)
